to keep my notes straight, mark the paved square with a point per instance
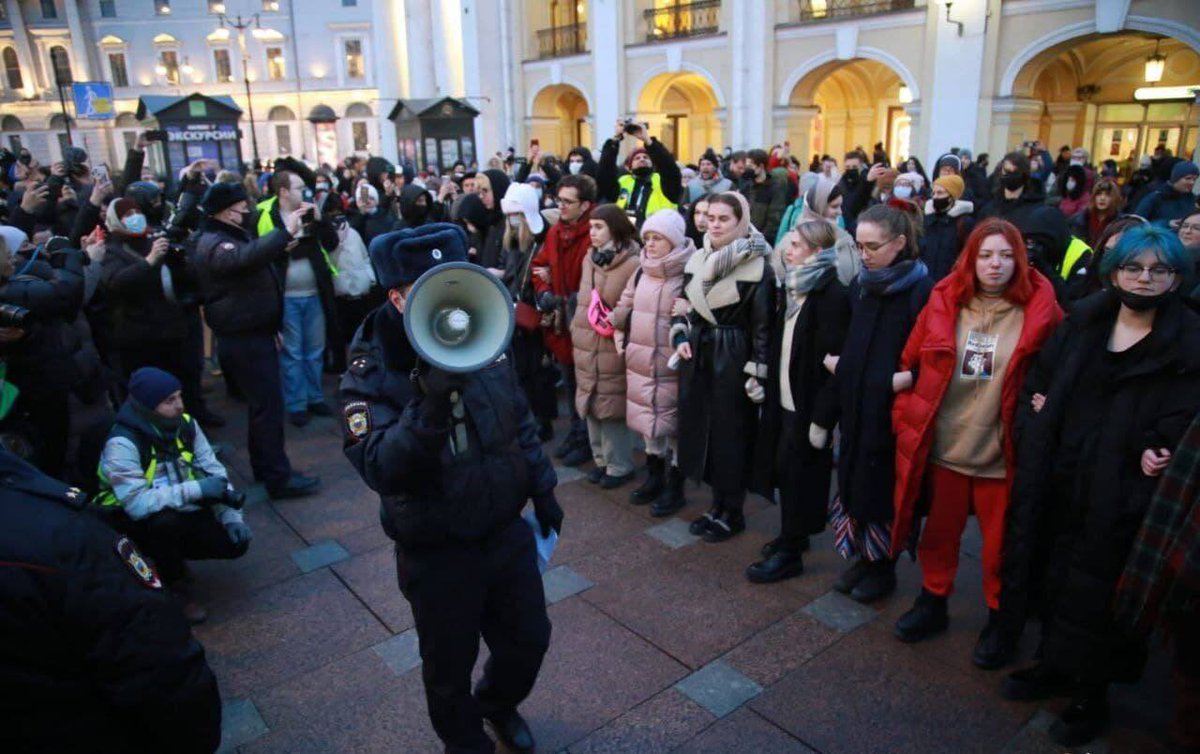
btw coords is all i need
(562, 582)
(718, 688)
(839, 612)
(402, 652)
(673, 533)
(319, 555)
(240, 724)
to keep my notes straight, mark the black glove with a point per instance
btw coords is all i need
(548, 512)
(547, 301)
(212, 488)
(437, 385)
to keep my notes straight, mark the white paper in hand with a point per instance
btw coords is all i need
(545, 545)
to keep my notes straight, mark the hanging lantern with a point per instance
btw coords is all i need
(904, 94)
(1155, 64)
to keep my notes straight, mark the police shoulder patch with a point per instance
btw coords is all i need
(358, 420)
(137, 563)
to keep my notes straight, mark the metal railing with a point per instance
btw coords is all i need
(562, 40)
(835, 10)
(683, 19)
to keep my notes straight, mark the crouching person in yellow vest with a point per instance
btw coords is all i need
(162, 485)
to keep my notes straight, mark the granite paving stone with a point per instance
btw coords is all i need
(589, 527)
(568, 474)
(319, 555)
(372, 578)
(264, 564)
(402, 652)
(718, 688)
(562, 582)
(839, 612)
(240, 724)
(345, 505)
(744, 731)
(781, 648)
(673, 533)
(655, 726)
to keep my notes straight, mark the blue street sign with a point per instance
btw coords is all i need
(93, 100)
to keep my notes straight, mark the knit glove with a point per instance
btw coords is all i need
(755, 391)
(548, 512)
(818, 436)
(213, 488)
(238, 532)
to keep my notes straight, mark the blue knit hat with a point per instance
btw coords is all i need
(402, 256)
(1183, 169)
(150, 386)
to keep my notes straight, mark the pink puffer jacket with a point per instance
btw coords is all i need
(644, 312)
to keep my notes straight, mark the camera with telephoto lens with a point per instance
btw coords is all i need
(12, 315)
(235, 499)
(632, 127)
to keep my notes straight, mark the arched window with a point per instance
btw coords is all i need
(359, 110)
(12, 69)
(11, 123)
(62, 65)
(281, 112)
(359, 115)
(283, 129)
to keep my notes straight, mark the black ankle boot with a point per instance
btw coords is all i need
(779, 565)
(1035, 683)
(879, 582)
(726, 526)
(850, 577)
(996, 645)
(927, 617)
(654, 484)
(1082, 720)
(672, 498)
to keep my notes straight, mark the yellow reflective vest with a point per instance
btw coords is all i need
(658, 200)
(266, 225)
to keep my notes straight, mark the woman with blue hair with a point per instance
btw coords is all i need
(1101, 412)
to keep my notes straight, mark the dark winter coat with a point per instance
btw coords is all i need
(429, 495)
(820, 329)
(768, 199)
(317, 249)
(944, 237)
(879, 328)
(1088, 521)
(137, 303)
(96, 657)
(717, 421)
(1166, 204)
(243, 290)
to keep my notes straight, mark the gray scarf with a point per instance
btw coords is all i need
(721, 262)
(814, 273)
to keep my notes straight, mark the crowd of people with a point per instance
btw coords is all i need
(880, 350)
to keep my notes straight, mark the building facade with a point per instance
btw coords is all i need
(918, 76)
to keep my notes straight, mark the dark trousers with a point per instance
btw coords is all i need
(578, 428)
(458, 593)
(804, 477)
(49, 420)
(191, 365)
(254, 364)
(170, 537)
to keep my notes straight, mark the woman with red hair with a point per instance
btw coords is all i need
(960, 377)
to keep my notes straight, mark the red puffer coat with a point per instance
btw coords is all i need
(563, 253)
(932, 350)
(644, 313)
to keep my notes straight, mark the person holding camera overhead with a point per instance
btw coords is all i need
(161, 483)
(309, 313)
(243, 295)
(454, 458)
(653, 180)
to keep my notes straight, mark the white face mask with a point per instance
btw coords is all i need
(1076, 161)
(1070, 184)
(575, 167)
(902, 192)
(514, 221)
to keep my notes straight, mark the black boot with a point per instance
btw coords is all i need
(780, 543)
(1035, 683)
(927, 617)
(654, 484)
(1082, 720)
(781, 564)
(879, 582)
(726, 526)
(672, 498)
(996, 645)
(580, 454)
(851, 577)
(512, 730)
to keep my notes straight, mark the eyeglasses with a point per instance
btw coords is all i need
(873, 247)
(1158, 272)
(568, 202)
(1190, 227)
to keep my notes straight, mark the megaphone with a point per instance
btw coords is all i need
(459, 317)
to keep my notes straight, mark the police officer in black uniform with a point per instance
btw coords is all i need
(465, 559)
(96, 655)
(243, 296)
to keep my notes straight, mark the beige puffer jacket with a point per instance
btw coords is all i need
(652, 392)
(599, 369)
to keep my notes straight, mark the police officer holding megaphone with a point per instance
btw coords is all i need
(437, 424)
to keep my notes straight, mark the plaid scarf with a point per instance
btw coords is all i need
(1163, 570)
(720, 262)
(815, 272)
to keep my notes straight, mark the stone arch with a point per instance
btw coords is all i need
(558, 118)
(359, 110)
(681, 108)
(818, 63)
(569, 81)
(281, 112)
(11, 123)
(126, 120)
(635, 93)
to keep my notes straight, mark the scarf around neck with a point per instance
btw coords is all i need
(899, 277)
(720, 262)
(815, 272)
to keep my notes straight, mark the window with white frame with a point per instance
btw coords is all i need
(356, 68)
(118, 73)
(222, 66)
(12, 69)
(48, 9)
(60, 63)
(162, 7)
(361, 118)
(168, 66)
(216, 6)
(276, 70)
(108, 8)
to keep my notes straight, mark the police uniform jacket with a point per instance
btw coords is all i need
(242, 288)
(97, 656)
(430, 495)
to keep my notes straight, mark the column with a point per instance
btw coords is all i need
(861, 129)
(954, 76)
(1064, 124)
(446, 23)
(24, 51)
(915, 145)
(1014, 120)
(835, 135)
(794, 125)
(752, 41)
(607, 47)
(391, 71)
(80, 63)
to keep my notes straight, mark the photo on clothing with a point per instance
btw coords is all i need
(979, 356)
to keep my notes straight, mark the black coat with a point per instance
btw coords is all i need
(138, 308)
(243, 290)
(369, 226)
(430, 496)
(944, 237)
(310, 248)
(879, 328)
(95, 658)
(820, 329)
(1075, 530)
(717, 421)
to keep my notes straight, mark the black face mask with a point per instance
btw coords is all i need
(852, 176)
(942, 204)
(1012, 181)
(1140, 303)
(642, 172)
(417, 213)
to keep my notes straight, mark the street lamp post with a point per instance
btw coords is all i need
(241, 27)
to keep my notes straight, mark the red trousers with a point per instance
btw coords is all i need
(952, 498)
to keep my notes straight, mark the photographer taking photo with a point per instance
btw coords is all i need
(653, 181)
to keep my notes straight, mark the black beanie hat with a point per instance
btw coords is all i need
(222, 196)
(377, 166)
(471, 209)
(292, 165)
